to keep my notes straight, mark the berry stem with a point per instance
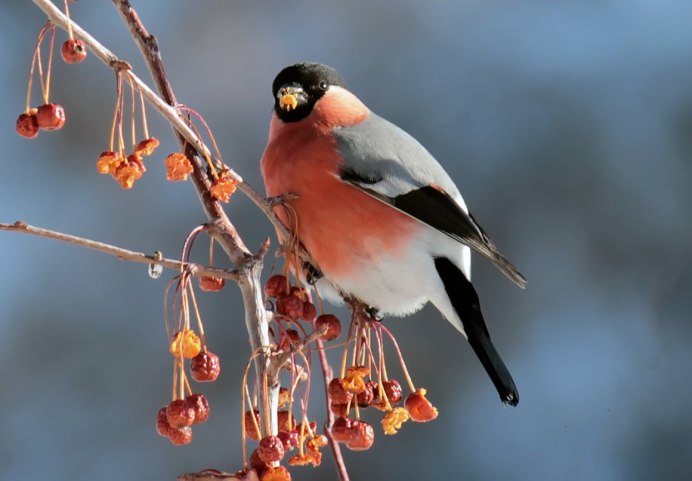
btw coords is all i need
(34, 60)
(200, 326)
(144, 113)
(46, 94)
(69, 21)
(133, 116)
(401, 358)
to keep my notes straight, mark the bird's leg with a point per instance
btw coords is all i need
(312, 273)
(374, 313)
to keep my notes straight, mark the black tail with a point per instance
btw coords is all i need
(466, 304)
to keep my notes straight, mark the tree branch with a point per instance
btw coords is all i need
(124, 254)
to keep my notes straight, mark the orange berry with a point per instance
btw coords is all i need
(223, 186)
(109, 162)
(279, 473)
(211, 283)
(333, 326)
(178, 167)
(147, 146)
(420, 409)
(50, 116)
(129, 171)
(185, 343)
(74, 51)
(27, 125)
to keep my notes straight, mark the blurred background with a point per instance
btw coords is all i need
(568, 128)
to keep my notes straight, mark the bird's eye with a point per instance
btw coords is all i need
(324, 85)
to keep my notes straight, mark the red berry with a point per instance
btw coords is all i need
(205, 367)
(211, 283)
(162, 426)
(342, 429)
(50, 116)
(250, 429)
(419, 408)
(199, 403)
(73, 51)
(300, 292)
(392, 389)
(256, 463)
(290, 440)
(180, 414)
(309, 311)
(333, 326)
(27, 125)
(180, 436)
(288, 338)
(290, 306)
(270, 449)
(338, 393)
(363, 436)
(276, 286)
(367, 397)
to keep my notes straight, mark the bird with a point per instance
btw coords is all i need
(382, 221)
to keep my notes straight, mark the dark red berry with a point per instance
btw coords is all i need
(367, 397)
(27, 125)
(199, 403)
(286, 421)
(276, 286)
(180, 414)
(205, 367)
(333, 326)
(363, 436)
(338, 393)
(211, 283)
(50, 116)
(290, 440)
(342, 429)
(256, 463)
(309, 311)
(162, 426)
(288, 338)
(392, 389)
(270, 449)
(290, 306)
(252, 427)
(73, 51)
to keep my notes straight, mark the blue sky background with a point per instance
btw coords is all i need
(567, 126)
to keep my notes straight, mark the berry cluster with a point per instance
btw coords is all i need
(186, 408)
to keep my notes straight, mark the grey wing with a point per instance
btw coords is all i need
(390, 165)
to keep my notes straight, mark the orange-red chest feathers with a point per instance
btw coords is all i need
(340, 225)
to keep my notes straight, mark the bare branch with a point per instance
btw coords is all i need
(124, 254)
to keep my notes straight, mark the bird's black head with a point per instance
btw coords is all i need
(298, 87)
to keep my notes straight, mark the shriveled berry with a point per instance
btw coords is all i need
(309, 311)
(270, 449)
(286, 421)
(211, 283)
(185, 343)
(147, 146)
(199, 403)
(162, 426)
(289, 439)
(108, 162)
(74, 51)
(205, 367)
(333, 326)
(342, 429)
(290, 306)
(338, 393)
(419, 408)
(276, 286)
(180, 414)
(129, 171)
(180, 436)
(27, 125)
(251, 427)
(363, 436)
(278, 473)
(178, 167)
(392, 389)
(367, 397)
(50, 116)
(284, 396)
(223, 186)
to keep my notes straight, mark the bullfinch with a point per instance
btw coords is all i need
(381, 219)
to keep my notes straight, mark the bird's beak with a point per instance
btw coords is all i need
(290, 97)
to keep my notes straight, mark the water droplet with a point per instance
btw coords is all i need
(155, 270)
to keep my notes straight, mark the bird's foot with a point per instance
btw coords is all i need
(280, 199)
(312, 273)
(374, 313)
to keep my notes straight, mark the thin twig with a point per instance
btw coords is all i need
(124, 254)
